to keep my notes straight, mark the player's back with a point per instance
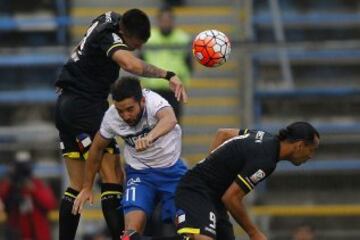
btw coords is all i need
(242, 155)
(90, 71)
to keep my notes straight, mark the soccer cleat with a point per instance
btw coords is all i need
(131, 235)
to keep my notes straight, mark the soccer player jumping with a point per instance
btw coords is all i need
(83, 87)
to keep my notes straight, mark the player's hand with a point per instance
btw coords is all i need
(84, 196)
(178, 88)
(144, 143)
(258, 236)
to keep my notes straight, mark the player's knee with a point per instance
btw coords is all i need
(111, 171)
(135, 220)
(75, 169)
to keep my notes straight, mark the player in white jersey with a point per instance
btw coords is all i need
(148, 125)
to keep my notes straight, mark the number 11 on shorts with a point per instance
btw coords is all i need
(131, 194)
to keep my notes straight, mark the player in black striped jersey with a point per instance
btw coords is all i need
(240, 159)
(83, 85)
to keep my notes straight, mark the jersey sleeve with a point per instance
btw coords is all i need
(253, 173)
(155, 102)
(110, 42)
(106, 130)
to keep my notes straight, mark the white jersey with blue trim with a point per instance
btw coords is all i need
(164, 152)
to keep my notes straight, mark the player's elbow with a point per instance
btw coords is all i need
(221, 133)
(227, 133)
(226, 199)
(172, 121)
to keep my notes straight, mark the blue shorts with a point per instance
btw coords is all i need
(148, 187)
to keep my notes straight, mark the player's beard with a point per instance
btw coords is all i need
(137, 118)
(166, 31)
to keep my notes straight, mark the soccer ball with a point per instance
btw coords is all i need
(211, 48)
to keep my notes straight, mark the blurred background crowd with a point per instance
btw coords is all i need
(291, 60)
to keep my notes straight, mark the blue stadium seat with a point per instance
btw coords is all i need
(324, 56)
(310, 92)
(310, 20)
(29, 96)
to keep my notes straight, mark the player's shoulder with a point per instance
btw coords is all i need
(108, 17)
(107, 21)
(111, 113)
(153, 99)
(147, 93)
(255, 138)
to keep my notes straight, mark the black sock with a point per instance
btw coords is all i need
(68, 222)
(111, 207)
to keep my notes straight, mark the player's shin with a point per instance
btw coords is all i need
(68, 222)
(111, 207)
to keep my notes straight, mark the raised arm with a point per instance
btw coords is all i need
(233, 201)
(130, 63)
(166, 123)
(92, 166)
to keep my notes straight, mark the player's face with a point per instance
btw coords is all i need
(132, 42)
(304, 151)
(166, 23)
(130, 110)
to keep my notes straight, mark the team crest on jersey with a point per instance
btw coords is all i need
(259, 136)
(257, 176)
(133, 181)
(180, 216)
(116, 38)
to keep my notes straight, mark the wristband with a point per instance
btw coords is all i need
(169, 75)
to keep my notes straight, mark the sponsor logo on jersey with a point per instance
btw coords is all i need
(257, 176)
(210, 230)
(131, 139)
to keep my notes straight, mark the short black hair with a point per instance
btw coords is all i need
(126, 87)
(165, 9)
(298, 131)
(136, 24)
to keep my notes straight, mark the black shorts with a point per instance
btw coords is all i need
(78, 118)
(197, 213)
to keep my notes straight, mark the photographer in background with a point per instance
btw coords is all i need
(26, 201)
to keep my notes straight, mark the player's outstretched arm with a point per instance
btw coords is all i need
(167, 121)
(222, 135)
(130, 63)
(92, 166)
(233, 201)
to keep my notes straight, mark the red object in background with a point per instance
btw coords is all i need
(26, 208)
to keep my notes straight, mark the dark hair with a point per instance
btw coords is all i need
(298, 131)
(136, 23)
(166, 9)
(126, 87)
